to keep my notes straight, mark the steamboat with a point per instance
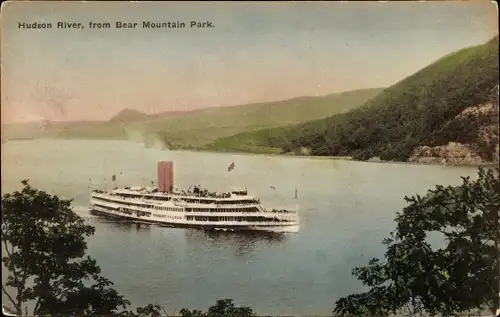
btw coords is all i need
(195, 208)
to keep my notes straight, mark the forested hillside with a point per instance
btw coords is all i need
(193, 129)
(423, 109)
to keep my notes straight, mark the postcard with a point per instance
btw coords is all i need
(250, 158)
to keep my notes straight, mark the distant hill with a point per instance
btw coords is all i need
(128, 115)
(165, 114)
(446, 112)
(200, 127)
(131, 115)
(196, 128)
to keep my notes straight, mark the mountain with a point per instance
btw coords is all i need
(133, 115)
(128, 115)
(194, 129)
(165, 114)
(444, 113)
(203, 126)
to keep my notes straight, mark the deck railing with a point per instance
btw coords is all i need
(289, 217)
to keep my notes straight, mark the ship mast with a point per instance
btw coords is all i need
(296, 203)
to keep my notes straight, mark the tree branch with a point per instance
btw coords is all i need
(37, 305)
(35, 310)
(11, 299)
(17, 305)
(6, 248)
(9, 253)
(408, 309)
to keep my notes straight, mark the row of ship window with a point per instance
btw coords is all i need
(162, 208)
(121, 210)
(142, 206)
(187, 209)
(222, 210)
(209, 218)
(228, 202)
(237, 219)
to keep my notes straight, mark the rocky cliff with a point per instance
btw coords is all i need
(483, 149)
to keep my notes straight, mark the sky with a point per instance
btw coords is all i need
(255, 52)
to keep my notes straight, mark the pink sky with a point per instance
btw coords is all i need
(256, 52)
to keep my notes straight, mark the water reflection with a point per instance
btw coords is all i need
(124, 225)
(243, 242)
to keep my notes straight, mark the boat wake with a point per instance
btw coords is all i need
(83, 211)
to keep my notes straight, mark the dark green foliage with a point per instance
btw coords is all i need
(412, 112)
(149, 310)
(223, 308)
(258, 141)
(419, 110)
(415, 276)
(44, 241)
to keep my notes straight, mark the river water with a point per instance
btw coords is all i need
(346, 209)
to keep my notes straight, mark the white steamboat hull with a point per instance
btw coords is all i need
(181, 222)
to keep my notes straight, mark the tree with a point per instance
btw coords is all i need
(44, 243)
(222, 308)
(415, 276)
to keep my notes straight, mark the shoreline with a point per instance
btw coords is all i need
(298, 156)
(349, 158)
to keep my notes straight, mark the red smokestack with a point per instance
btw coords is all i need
(165, 180)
